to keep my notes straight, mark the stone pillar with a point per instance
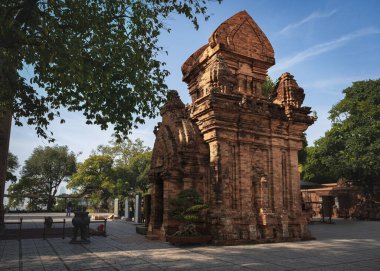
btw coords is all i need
(126, 209)
(138, 208)
(116, 208)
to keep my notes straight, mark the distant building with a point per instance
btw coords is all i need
(347, 200)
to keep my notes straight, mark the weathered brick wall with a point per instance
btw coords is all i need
(232, 144)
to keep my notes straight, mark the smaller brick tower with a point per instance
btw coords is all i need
(237, 148)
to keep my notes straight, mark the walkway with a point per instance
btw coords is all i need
(347, 245)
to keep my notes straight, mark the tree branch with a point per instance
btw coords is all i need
(26, 12)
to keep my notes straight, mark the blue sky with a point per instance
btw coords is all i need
(326, 45)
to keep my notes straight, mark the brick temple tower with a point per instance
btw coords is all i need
(237, 148)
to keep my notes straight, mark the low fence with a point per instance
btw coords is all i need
(19, 223)
(51, 228)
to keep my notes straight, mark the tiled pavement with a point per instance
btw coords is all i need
(346, 245)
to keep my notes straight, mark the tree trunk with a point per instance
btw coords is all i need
(5, 133)
(50, 203)
(51, 199)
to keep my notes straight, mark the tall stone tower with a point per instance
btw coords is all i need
(237, 148)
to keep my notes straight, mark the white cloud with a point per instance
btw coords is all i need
(323, 48)
(335, 85)
(313, 16)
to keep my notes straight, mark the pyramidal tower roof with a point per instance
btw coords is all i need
(230, 32)
(240, 35)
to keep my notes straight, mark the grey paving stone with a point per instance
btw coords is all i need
(347, 245)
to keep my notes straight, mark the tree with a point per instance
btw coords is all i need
(42, 174)
(95, 178)
(133, 178)
(351, 148)
(122, 151)
(269, 87)
(139, 166)
(12, 166)
(131, 164)
(316, 167)
(98, 57)
(302, 156)
(117, 170)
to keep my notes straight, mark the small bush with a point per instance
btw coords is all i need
(186, 208)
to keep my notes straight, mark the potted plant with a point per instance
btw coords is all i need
(187, 209)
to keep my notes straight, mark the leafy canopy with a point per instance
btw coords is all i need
(351, 148)
(269, 87)
(99, 57)
(131, 165)
(123, 151)
(116, 170)
(95, 177)
(12, 166)
(42, 174)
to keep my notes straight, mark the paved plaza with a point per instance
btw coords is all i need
(346, 245)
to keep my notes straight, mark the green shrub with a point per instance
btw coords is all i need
(186, 208)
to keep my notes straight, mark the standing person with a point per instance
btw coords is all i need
(68, 210)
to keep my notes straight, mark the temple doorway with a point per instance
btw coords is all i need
(159, 203)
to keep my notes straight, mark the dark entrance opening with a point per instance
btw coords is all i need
(159, 203)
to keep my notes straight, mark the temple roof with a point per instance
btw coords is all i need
(241, 25)
(239, 34)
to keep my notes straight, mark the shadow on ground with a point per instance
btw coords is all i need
(346, 245)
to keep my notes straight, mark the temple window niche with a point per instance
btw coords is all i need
(249, 85)
(199, 93)
(196, 94)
